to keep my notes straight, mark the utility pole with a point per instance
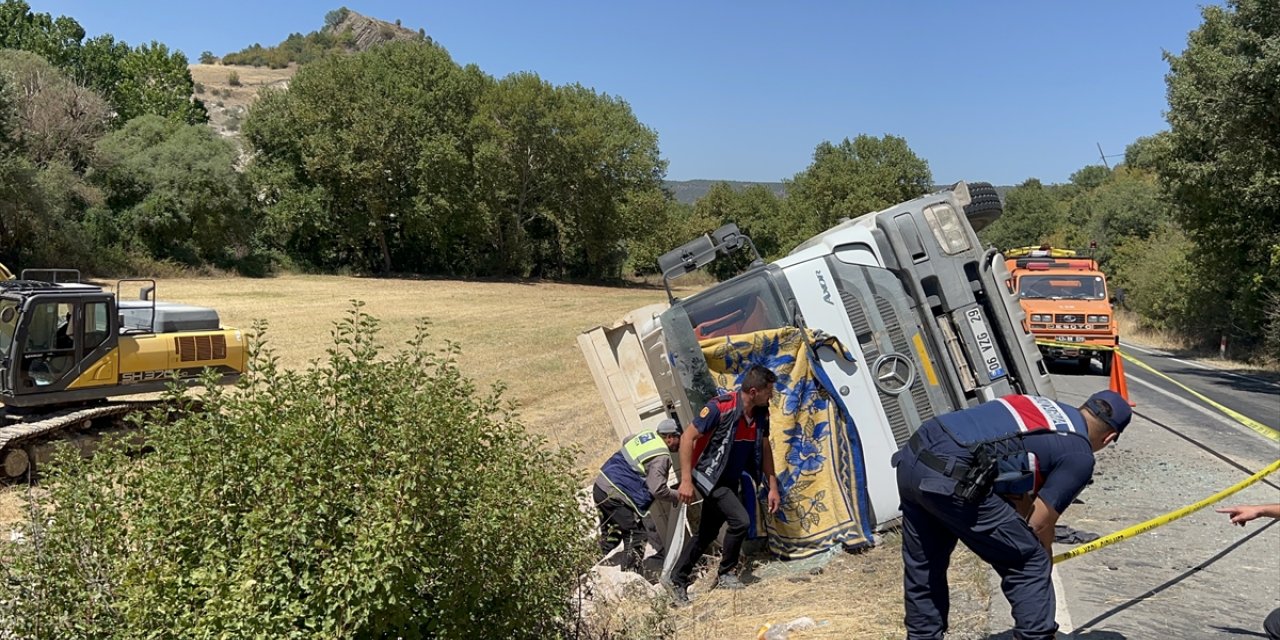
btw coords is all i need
(1102, 155)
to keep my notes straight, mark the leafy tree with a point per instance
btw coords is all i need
(370, 496)
(559, 165)
(377, 142)
(146, 80)
(1032, 215)
(56, 119)
(1223, 163)
(175, 190)
(54, 39)
(1147, 153)
(157, 81)
(668, 224)
(336, 17)
(207, 57)
(852, 178)
(1090, 177)
(1126, 206)
(1159, 279)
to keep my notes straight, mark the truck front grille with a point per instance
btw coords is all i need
(871, 351)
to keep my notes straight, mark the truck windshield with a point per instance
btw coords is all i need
(8, 324)
(1062, 287)
(740, 306)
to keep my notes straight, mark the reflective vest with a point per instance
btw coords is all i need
(1003, 423)
(625, 469)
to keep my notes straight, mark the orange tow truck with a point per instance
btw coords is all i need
(1067, 304)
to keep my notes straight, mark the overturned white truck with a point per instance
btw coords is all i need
(923, 312)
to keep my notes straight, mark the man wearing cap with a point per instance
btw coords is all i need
(996, 477)
(628, 483)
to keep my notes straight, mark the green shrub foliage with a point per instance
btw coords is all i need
(369, 496)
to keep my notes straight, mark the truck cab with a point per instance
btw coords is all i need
(1066, 303)
(920, 307)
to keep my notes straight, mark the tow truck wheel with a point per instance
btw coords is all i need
(1106, 358)
(15, 464)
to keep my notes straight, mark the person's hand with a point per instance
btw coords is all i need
(1242, 514)
(775, 500)
(685, 492)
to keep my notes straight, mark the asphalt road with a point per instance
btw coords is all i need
(1197, 577)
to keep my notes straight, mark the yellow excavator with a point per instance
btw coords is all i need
(68, 348)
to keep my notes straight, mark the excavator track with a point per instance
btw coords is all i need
(20, 440)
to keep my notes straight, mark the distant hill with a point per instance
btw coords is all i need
(344, 31)
(229, 86)
(689, 191)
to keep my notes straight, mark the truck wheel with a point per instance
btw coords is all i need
(984, 205)
(1106, 358)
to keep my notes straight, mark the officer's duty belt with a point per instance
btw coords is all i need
(950, 468)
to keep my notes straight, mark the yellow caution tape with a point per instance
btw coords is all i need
(1077, 345)
(1164, 519)
(1262, 429)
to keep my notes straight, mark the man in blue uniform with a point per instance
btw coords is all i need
(730, 437)
(996, 477)
(628, 483)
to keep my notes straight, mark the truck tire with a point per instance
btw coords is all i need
(984, 205)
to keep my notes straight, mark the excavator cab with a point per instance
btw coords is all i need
(50, 334)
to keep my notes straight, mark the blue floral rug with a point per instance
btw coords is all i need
(816, 449)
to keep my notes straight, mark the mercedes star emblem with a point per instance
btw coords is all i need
(894, 373)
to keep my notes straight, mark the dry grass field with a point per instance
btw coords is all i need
(524, 336)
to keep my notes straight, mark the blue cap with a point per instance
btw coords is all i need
(1111, 408)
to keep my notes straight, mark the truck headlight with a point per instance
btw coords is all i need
(1102, 319)
(945, 222)
(1036, 317)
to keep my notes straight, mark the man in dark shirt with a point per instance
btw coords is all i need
(730, 437)
(996, 477)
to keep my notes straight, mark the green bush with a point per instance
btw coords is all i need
(369, 496)
(233, 78)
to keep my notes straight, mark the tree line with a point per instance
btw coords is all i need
(400, 160)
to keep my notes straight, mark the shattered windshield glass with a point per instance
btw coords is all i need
(1062, 287)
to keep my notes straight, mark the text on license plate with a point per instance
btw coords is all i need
(986, 344)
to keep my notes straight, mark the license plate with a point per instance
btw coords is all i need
(986, 344)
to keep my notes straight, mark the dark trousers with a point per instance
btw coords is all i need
(721, 506)
(934, 520)
(619, 522)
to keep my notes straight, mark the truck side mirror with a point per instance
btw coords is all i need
(1117, 297)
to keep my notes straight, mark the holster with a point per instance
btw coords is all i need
(974, 481)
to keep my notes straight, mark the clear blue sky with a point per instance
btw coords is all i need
(983, 90)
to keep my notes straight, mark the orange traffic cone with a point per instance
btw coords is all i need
(1118, 382)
